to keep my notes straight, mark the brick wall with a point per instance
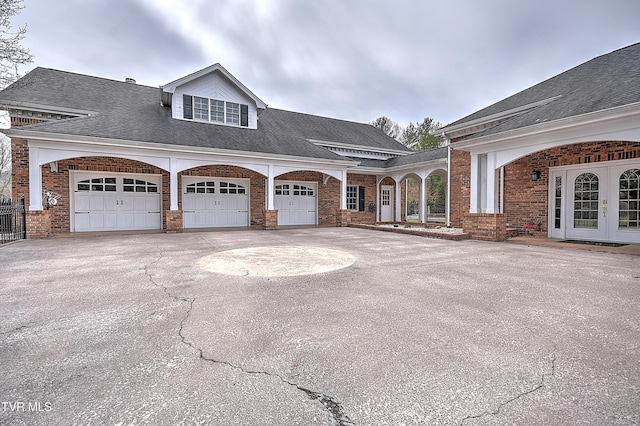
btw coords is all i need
(525, 199)
(369, 182)
(460, 186)
(485, 226)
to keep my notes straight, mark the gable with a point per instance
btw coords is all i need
(213, 87)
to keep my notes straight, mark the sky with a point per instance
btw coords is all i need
(350, 59)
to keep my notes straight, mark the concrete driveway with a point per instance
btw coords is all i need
(407, 331)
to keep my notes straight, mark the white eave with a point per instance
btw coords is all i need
(482, 123)
(160, 147)
(330, 144)
(171, 87)
(49, 109)
(621, 112)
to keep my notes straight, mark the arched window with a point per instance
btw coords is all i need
(585, 201)
(629, 207)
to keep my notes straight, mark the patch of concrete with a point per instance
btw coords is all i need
(279, 261)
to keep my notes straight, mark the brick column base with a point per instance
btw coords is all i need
(485, 226)
(173, 221)
(343, 217)
(38, 224)
(270, 219)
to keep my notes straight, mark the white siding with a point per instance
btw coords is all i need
(214, 86)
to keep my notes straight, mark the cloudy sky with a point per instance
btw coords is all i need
(350, 59)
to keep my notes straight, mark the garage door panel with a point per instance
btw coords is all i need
(215, 202)
(107, 202)
(296, 203)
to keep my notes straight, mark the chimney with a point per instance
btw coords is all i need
(130, 80)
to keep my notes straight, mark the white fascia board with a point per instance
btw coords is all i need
(493, 117)
(358, 147)
(406, 168)
(620, 112)
(171, 87)
(52, 109)
(159, 147)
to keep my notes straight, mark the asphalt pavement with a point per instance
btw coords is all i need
(316, 326)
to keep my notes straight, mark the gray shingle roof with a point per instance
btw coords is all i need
(602, 83)
(133, 112)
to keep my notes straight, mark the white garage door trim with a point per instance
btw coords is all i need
(213, 202)
(296, 202)
(104, 201)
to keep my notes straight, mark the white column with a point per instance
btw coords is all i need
(448, 205)
(398, 201)
(423, 200)
(173, 183)
(270, 188)
(474, 184)
(343, 191)
(35, 179)
(378, 208)
(492, 184)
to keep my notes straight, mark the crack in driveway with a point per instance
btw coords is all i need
(334, 408)
(539, 386)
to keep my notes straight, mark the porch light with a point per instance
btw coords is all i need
(535, 175)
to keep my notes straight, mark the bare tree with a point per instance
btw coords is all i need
(5, 166)
(388, 126)
(12, 54)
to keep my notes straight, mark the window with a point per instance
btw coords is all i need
(215, 111)
(629, 209)
(585, 202)
(355, 198)
(558, 203)
(231, 188)
(97, 185)
(352, 197)
(201, 188)
(200, 108)
(233, 113)
(282, 189)
(137, 185)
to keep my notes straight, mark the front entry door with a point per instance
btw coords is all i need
(597, 202)
(386, 202)
(587, 207)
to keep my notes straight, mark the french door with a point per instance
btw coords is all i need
(596, 202)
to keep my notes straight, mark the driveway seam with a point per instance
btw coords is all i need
(334, 408)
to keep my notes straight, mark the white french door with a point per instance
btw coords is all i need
(597, 202)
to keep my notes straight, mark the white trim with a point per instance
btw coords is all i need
(472, 125)
(594, 119)
(359, 147)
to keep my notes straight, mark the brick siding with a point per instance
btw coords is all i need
(524, 199)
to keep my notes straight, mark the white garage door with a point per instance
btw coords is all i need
(115, 202)
(215, 202)
(296, 203)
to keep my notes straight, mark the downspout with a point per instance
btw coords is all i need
(448, 216)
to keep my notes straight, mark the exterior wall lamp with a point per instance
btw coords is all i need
(535, 175)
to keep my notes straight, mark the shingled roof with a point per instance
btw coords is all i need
(605, 82)
(131, 112)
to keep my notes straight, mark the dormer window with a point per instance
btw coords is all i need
(216, 111)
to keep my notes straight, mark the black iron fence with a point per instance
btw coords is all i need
(13, 220)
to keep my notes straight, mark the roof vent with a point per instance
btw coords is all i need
(130, 80)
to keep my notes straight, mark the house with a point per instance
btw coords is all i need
(203, 151)
(560, 159)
